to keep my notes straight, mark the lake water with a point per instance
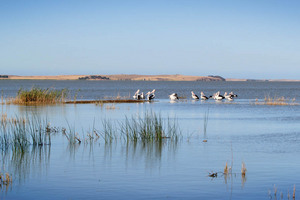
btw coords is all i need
(266, 138)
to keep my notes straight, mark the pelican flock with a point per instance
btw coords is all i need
(174, 96)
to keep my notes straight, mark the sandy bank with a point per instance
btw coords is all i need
(129, 77)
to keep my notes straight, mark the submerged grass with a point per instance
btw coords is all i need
(38, 95)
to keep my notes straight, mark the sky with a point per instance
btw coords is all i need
(258, 39)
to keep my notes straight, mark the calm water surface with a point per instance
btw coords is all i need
(266, 138)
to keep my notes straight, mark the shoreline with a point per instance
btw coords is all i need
(117, 77)
(135, 77)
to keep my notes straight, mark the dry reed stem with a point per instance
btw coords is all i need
(294, 192)
(243, 170)
(226, 169)
(275, 190)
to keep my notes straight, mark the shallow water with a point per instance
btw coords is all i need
(266, 138)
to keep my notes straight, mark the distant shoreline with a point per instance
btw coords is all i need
(135, 77)
(117, 77)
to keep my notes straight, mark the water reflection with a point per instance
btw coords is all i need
(22, 162)
(150, 152)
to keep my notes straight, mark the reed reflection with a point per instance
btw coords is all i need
(151, 152)
(22, 163)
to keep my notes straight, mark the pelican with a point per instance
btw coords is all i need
(150, 95)
(137, 95)
(203, 97)
(142, 96)
(194, 96)
(234, 95)
(173, 97)
(217, 96)
(228, 96)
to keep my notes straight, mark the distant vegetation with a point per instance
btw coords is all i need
(93, 77)
(39, 96)
(220, 78)
(3, 76)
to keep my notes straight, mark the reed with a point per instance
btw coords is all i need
(294, 192)
(108, 131)
(277, 101)
(150, 127)
(243, 170)
(281, 193)
(38, 95)
(226, 169)
(71, 134)
(20, 132)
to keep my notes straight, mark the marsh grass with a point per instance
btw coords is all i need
(277, 101)
(150, 127)
(108, 131)
(118, 97)
(20, 132)
(275, 192)
(38, 95)
(71, 134)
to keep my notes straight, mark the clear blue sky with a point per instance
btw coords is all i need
(234, 39)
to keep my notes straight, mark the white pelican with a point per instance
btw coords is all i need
(234, 95)
(142, 96)
(217, 96)
(194, 96)
(173, 97)
(136, 95)
(150, 95)
(203, 97)
(228, 96)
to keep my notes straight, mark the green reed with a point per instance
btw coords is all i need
(38, 95)
(20, 132)
(150, 127)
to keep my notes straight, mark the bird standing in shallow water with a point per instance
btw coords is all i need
(173, 97)
(194, 96)
(217, 96)
(203, 97)
(137, 95)
(150, 95)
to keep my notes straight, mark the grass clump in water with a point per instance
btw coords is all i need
(277, 101)
(150, 127)
(38, 95)
(20, 132)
